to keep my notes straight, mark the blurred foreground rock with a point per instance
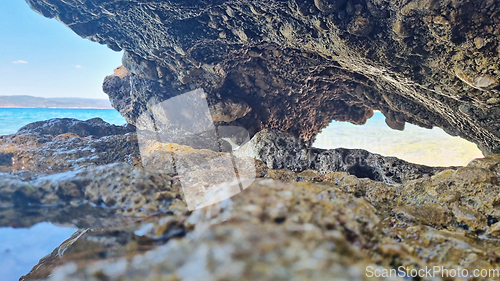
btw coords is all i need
(312, 226)
(293, 223)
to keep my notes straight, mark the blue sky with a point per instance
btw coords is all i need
(44, 58)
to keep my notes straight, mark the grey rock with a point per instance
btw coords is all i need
(300, 64)
(117, 186)
(279, 150)
(49, 154)
(364, 164)
(92, 127)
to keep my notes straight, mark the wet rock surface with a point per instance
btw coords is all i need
(291, 66)
(60, 145)
(93, 127)
(291, 223)
(32, 155)
(333, 225)
(296, 65)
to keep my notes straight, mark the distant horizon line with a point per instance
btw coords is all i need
(14, 107)
(53, 97)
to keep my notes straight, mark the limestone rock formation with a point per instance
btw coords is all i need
(314, 220)
(295, 65)
(282, 70)
(279, 150)
(312, 226)
(61, 145)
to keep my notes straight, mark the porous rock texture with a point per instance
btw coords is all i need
(52, 146)
(59, 145)
(295, 65)
(308, 226)
(279, 150)
(292, 223)
(291, 66)
(93, 127)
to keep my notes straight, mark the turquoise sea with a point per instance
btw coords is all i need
(12, 119)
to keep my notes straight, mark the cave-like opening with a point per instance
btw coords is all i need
(432, 147)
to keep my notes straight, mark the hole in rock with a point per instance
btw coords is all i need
(431, 147)
(363, 172)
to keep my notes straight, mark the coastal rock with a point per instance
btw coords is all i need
(311, 220)
(364, 164)
(300, 64)
(279, 150)
(335, 228)
(117, 186)
(282, 70)
(48, 154)
(61, 145)
(93, 127)
(117, 86)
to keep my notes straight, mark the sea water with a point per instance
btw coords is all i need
(22, 248)
(12, 119)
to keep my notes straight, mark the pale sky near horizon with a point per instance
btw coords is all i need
(42, 57)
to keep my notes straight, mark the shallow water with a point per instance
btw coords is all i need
(415, 144)
(22, 248)
(12, 119)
